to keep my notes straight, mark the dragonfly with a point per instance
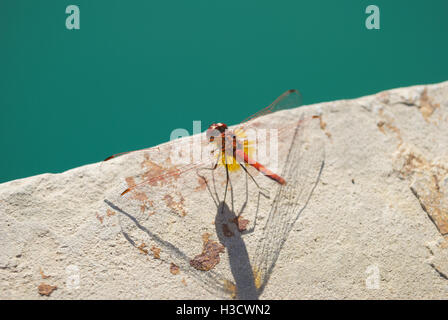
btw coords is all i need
(153, 201)
(231, 148)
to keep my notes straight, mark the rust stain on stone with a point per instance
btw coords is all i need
(174, 269)
(146, 205)
(153, 170)
(427, 107)
(130, 182)
(177, 206)
(157, 174)
(110, 213)
(202, 184)
(412, 163)
(323, 125)
(426, 186)
(142, 248)
(42, 274)
(100, 218)
(205, 237)
(209, 257)
(387, 125)
(46, 289)
(140, 196)
(156, 252)
(444, 243)
(241, 223)
(137, 195)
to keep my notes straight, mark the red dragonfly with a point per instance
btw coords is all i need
(233, 150)
(154, 213)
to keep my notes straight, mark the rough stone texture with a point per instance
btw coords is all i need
(374, 226)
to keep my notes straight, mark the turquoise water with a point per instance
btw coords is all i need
(135, 70)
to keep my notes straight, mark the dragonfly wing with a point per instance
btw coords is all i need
(302, 170)
(159, 150)
(289, 99)
(165, 163)
(161, 214)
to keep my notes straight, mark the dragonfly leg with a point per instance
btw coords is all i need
(262, 190)
(227, 185)
(247, 196)
(215, 197)
(256, 216)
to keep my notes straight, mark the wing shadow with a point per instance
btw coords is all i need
(211, 280)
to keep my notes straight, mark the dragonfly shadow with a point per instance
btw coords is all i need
(240, 266)
(211, 280)
(252, 276)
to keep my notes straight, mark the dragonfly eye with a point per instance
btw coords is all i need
(215, 131)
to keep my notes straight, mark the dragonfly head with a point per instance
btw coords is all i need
(215, 130)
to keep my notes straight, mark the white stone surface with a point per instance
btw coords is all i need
(385, 172)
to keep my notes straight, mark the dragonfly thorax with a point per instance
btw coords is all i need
(225, 139)
(216, 130)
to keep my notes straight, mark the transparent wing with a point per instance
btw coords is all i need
(302, 170)
(289, 99)
(166, 163)
(156, 151)
(194, 151)
(167, 213)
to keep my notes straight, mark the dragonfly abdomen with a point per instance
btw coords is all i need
(261, 168)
